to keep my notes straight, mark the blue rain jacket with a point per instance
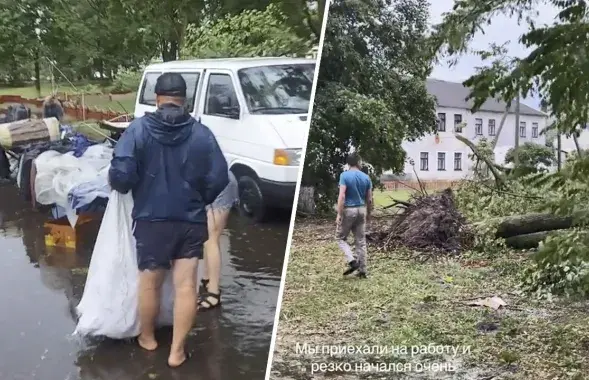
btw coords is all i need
(172, 164)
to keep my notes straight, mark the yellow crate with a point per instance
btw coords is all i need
(59, 232)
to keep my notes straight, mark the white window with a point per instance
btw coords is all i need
(457, 161)
(424, 161)
(441, 161)
(522, 129)
(478, 126)
(458, 123)
(441, 122)
(492, 130)
(535, 132)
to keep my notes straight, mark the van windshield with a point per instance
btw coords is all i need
(277, 89)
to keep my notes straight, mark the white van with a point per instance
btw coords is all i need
(258, 110)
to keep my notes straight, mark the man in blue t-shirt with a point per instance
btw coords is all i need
(354, 206)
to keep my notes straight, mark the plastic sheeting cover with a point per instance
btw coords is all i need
(109, 304)
(58, 174)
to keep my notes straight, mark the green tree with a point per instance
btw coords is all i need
(251, 33)
(556, 67)
(531, 158)
(371, 93)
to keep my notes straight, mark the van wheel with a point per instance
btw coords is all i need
(251, 200)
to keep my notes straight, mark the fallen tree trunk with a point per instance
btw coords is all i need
(531, 223)
(529, 241)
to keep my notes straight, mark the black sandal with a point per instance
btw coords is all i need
(204, 304)
(204, 283)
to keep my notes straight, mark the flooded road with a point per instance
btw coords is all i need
(40, 287)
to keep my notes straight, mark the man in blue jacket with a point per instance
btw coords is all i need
(174, 167)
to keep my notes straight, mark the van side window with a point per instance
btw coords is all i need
(221, 99)
(191, 80)
(148, 89)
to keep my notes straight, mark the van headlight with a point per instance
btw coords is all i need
(287, 157)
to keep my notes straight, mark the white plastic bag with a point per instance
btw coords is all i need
(109, 303)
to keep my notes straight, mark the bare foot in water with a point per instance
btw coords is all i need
(177, 359)
(147, 343)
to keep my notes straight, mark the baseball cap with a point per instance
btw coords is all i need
(170, 84)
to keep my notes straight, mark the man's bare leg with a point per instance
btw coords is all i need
(150, 283)
(184, 271)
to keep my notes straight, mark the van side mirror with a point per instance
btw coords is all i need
(233, 112)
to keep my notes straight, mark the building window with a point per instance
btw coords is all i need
(457, 161)
(441, 161)
(522, 129)
(492, 127)
(457, 123)
(441, 122)
(424, 161)
(478, 126)
(535, 132)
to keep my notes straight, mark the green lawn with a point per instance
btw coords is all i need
(407, 304)
(383, 198)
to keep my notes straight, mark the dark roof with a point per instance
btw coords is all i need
(453, 95)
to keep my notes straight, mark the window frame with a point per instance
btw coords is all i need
(478, 126)
(456, 123)
(456, 155)
(441, 122)
(442, 169)
(195, 93)
(535, 130)
(211, 73)
(144, 86)
(494, 127)
(421, 161)
(522, 124)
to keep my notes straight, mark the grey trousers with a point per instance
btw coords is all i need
(353, 220)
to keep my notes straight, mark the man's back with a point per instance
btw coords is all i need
(357, 185)
(179, 166)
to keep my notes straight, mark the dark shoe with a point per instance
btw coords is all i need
(361, 275)
(204, 304)
(353, 266)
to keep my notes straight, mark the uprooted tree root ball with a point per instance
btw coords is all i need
(428, 223)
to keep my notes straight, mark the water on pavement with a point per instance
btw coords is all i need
(40, 287)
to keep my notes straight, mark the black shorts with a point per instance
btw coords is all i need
(159, 243)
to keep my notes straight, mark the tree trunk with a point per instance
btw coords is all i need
(531, 223)
(530, 241)
(499, 178)
(169, 50)
(516, 146)
(559, 148)
(37, 73)
(496, 139)
(306, 201)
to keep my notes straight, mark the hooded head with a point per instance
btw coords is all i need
(170, 124)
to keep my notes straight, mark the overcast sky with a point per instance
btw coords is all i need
(502, 29)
